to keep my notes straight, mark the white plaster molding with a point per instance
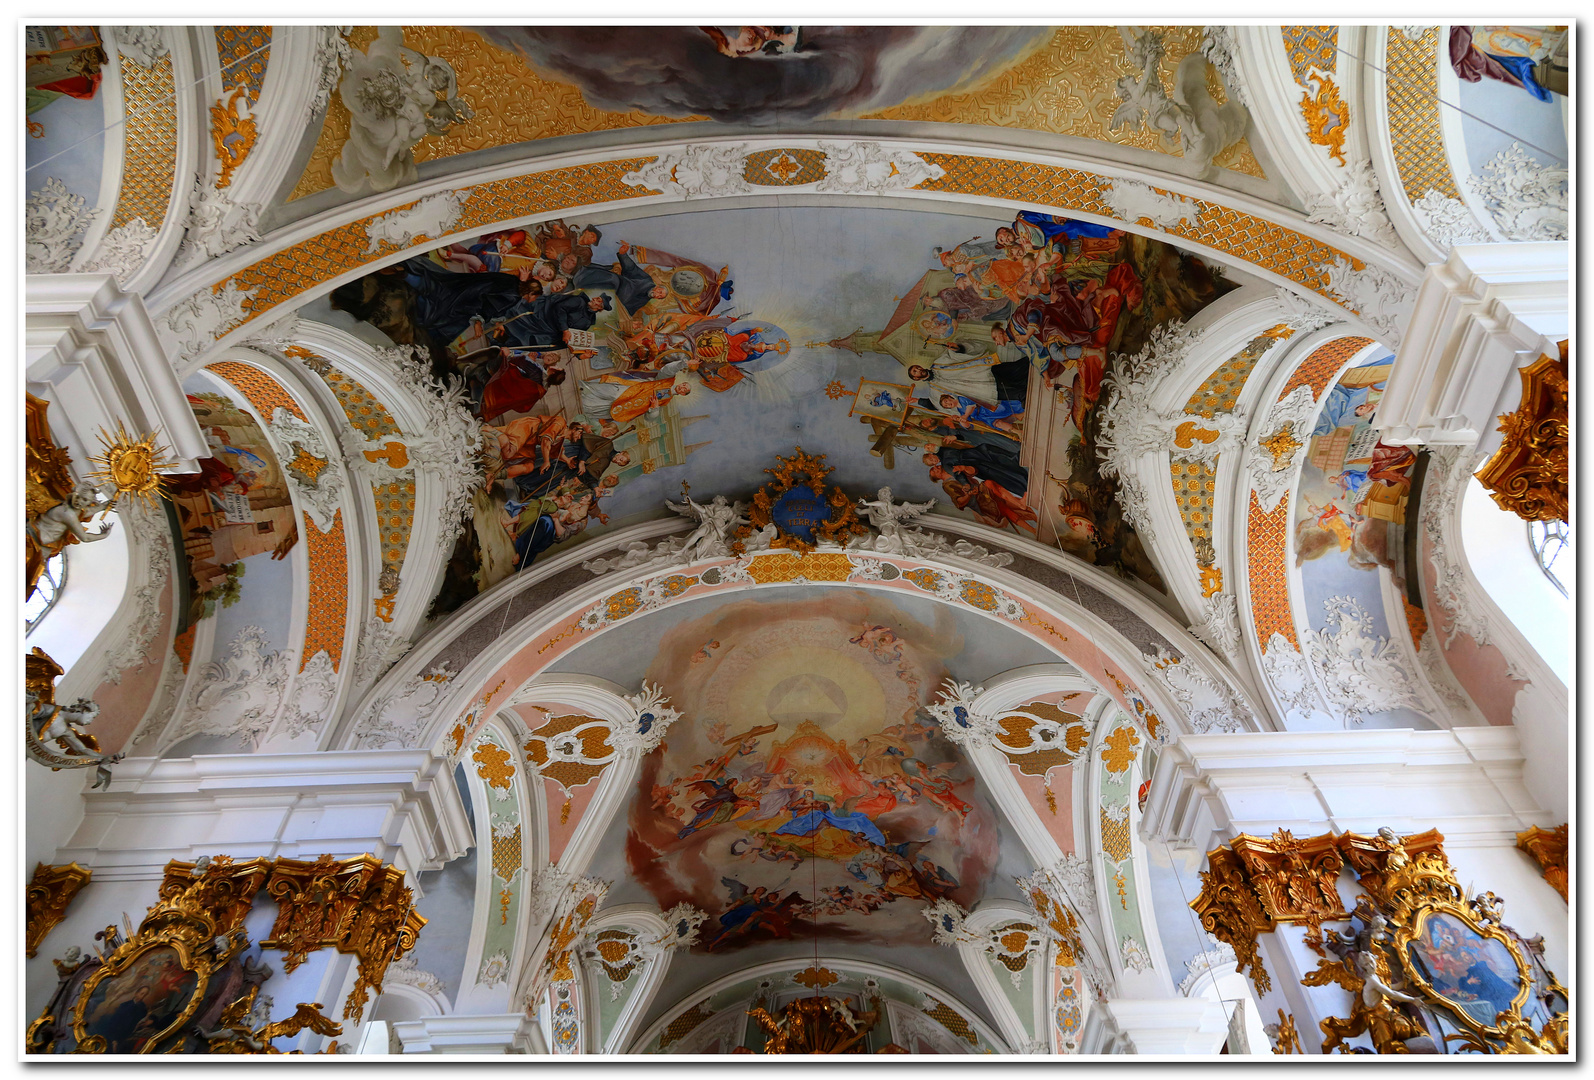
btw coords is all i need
(400, 805)
(1467, 782)
(870, 168)
(54, 220)
(447, 445)
(1382, 300)
(652, 717)
(194, 325)
(1358, 671)
(1303, 313)
(494, 969)
(699, 171)
(1289, 675)
(122, 250)
(433, 216)
(1273, 474)
(1133, 954)
(1209, 704)
(1447, 221)
(217, 223)
(505, 1033)
(94, 353)
(1182, 1026)
(1449, 470)
(240, 694)
(381, 646)
(404, 971)
(1483, 312)
(1354, 205)
(402, 711)
(314, 692)
(1219, 46)
(153, 538)
(1219, 956)
(144, 45)
(1529, 200)
(324, 496)
(961, 722)
(1133, 200)
(332, 53)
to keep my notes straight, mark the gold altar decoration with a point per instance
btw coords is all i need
(233, 1035)
(1253, 884)
(184, 946)
(357, 906)
(49, 893)
(814, 1025)
(1528, 473)
(801, 469)
(132, 466)
(1548, 848)
(1286, 1040)
(1455, 957)
(195, 927)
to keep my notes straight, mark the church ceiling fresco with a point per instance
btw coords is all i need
(519, 84)
(810, 795)
(1354, 507)
(952, 358)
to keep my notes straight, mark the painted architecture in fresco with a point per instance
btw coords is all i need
(235, 507)
(599, 358)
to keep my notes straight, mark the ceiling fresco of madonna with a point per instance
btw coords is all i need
(950, 358)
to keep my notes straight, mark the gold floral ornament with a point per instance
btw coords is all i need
(1326, 114)
(132, 466)
(815, 977)
(1282, 445)
(494, 765)
(232, 1034)
(49, 893)
(1119, 750)
(232, 129)
(1528, 474)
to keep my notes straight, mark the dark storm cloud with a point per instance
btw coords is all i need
(843, 71)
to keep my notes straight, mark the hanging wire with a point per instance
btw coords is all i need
(149, 108)
(1450, 105)
(1201, 934)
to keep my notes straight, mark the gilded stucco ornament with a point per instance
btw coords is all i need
(1548, 848)
(1528, 475)
(49, 893)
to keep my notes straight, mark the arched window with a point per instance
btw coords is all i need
(52, 582)
(1549, 539)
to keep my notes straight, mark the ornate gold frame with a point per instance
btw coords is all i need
(1411, 929)
(801, 469)
(120, 960)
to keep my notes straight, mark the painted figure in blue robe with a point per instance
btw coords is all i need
(1346, 407)
(1056, 228)
(810, 813)
(998, 416)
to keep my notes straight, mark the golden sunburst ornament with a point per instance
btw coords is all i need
(130, 465)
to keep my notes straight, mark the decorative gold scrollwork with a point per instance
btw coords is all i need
(1548, 848)
(49, 893)
(1528, 474)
